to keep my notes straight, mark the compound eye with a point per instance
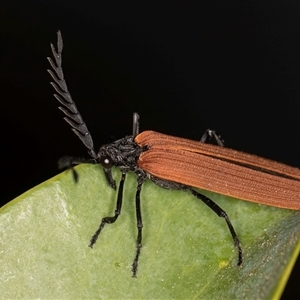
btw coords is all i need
(106, 162)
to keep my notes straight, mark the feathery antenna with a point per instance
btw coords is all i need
(73, 117)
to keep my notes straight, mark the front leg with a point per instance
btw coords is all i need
(68, 162)
(110, 220)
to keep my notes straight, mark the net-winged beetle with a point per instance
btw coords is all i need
(177, 163)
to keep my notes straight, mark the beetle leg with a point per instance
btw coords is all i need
(139, 222)
(110, 220)
(221, 213)
(211, 134)
(69, 162)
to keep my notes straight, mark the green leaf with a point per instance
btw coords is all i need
(187, 250)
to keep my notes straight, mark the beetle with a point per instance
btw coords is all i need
(177, 163)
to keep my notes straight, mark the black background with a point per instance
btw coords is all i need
(184, 66)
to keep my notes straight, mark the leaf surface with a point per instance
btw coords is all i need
(187, 249)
